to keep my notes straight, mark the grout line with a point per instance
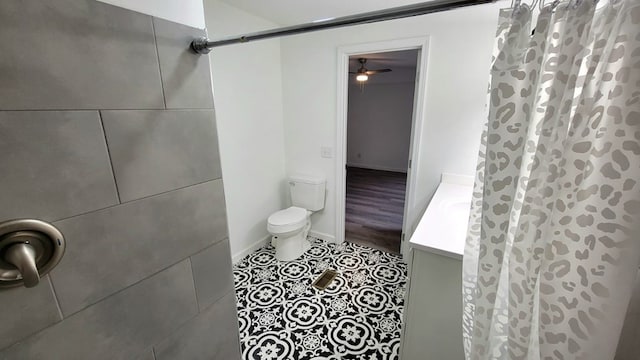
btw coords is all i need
(85, 213)
(134, 200)
(155, 42)
(184, 323)
(113, 171)
(194, 317)
(34, 333)
(217, 242)
(217, 301)
(193, 281)
(126, 287)
(111, 295)
(176, 189)
(55, 296)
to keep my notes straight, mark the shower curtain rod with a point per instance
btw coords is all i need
(203, 45)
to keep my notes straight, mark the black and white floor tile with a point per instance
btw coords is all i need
(357, 317)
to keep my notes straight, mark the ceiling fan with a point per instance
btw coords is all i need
(363, 73)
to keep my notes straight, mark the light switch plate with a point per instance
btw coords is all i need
(326, 152)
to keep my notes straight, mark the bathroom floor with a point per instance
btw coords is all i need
(358, 316)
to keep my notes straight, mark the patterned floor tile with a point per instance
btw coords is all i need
(359, 316)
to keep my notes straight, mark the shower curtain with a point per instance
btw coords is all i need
(552, 250)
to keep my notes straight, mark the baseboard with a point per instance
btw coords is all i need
(251, 249)
(264, 241)
(376, 167)
(322, 236)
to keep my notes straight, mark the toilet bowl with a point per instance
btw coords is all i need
(289, 227)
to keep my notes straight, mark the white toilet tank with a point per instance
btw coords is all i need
(307, 191)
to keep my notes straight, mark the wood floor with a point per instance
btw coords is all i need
(374, 208)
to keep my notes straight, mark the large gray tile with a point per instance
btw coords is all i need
(76, 54)
(212, 273)
(54, 164)
(110, 249)
(157, 151)
(213, 335)
(120, 327)
(186, 76)
(24, 311)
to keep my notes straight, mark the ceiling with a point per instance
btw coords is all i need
(389, 59)
(402, 64)
(293, 12)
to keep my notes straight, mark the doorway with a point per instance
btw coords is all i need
(379, 119)
(378, 131)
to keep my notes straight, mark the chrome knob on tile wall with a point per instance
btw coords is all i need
(29, 249)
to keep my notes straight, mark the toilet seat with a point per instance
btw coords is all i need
(287, 220)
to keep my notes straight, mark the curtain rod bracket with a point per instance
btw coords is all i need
(203, 45)
(199, 45)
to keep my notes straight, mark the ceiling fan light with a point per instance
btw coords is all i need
(362, 77)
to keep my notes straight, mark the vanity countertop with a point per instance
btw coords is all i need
(443, 227)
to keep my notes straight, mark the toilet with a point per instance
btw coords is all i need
(289, 227)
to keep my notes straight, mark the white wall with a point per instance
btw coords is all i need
(459, 59)
(248, 102)
(188, 12)
(379, 125)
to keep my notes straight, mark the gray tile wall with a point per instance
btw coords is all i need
(107, 129)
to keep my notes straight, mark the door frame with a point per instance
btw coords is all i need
(344, 52)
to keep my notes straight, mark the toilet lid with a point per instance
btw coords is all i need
(290, 218)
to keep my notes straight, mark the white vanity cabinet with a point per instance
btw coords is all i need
(433, 313)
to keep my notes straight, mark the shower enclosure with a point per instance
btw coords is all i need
(107, 131)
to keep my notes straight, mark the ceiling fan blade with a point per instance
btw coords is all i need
(372, 72)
